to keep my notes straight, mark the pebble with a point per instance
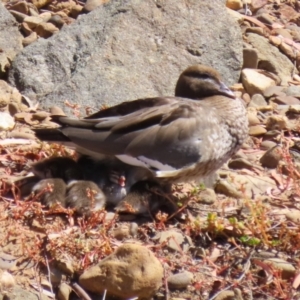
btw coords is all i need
(266, 145)
(272, 91)
(289, 100)
(174, 240)
(92, 4)
(131, 271)
(32, 22)
(180, 280)
(7, 261)
(257, 100)
(271, 158)
(255, 82)
(64, 291)
(29, 39)
(277, 122)
(234, 4)
(227, 189)
(208, 196)
(293, 91)
(288, 271)
(46, 30)
(240, 163)
(21, 7)
(6, 121)
(257, 130)
(250, 58)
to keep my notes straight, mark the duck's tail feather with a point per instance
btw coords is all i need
(50, 135)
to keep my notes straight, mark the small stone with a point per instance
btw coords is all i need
(21, 135)
(256, 82)
(271, 158)
(26, 30)
(7, 282)
(265, 18)
(33, 22)
(287, 50)
(64, 291)
(134, 229)
(257, 4)
(272, 91)
(174, 240)
(234, 4)
(21, 7)
(40, 3)
(29, 39)
(293, 91)
(225, 295)
(56, 111)
(18, 15)
(208, 196)
(92, 4)
(13, 109)
(253, 119)
(75, 11)
(225, 188)
(131, 271)
(294, 109)
(6, 121)
(240, 163)
(257, 100)
(46, 30)
(57, 21)
(46, 16)
(277, 122)
(65, 265)
(288, 271)
(250, 58)
(180, 280)
(40, 116)
(266, 145)
(286, 100)
(7, 261)
(257, 130)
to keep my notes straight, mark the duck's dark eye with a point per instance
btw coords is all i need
(202, 76)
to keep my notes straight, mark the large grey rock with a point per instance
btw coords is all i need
(10, 39)
(270, 58)
(129, 49)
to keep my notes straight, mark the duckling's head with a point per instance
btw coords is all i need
(199, 81)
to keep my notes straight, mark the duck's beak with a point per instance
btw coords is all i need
(226, 91)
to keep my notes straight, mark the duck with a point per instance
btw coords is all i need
(174, 139)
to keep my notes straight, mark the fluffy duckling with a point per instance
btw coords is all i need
(144, 198)
(85, 196)
(57, 167)
(175, 139)
(51, 191)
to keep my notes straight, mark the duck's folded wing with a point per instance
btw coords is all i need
(128, 107)
(166, 137)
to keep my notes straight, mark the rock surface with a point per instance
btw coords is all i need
(123, 51)
(10, 39)
(131, 271)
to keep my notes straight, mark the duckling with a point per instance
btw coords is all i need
(84, 196)
(50, 191)
(57, 167)
(144, 198)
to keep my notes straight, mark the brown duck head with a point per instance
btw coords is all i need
(199, 81)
